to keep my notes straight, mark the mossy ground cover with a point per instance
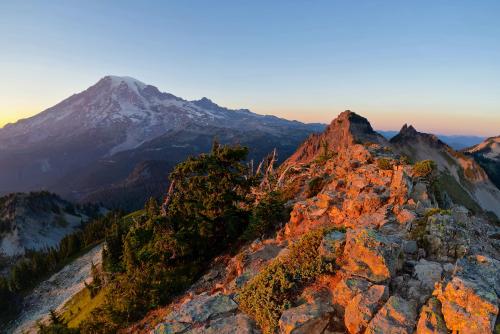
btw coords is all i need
(78, 308)
(384, 164)
(424, 168)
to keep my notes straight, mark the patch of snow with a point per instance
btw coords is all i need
(132, 83)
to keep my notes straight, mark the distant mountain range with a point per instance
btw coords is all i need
(117, 141)
(457, 142)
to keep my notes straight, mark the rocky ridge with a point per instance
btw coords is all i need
(396, 262)
(487, 154)
(461, 177)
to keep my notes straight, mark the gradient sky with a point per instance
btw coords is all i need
(435, 64)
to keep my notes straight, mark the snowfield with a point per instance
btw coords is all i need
(53, 293)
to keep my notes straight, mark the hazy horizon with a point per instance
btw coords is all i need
(433, 65)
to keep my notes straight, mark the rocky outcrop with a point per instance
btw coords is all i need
(206, 314)
(343, 132)
(362, 307)
(397, 316)
(371, 255)
(487, 155)
(431, 319)
(460, 178)
(311, 317)
(470, 299)
(448, 235)
(346, 289)
(390, 259)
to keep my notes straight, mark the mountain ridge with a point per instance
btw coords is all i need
(400, 262)
(84, 134)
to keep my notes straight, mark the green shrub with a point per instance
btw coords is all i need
(384, 164)
(267, 216)
(405, 160)
(419, 227)
(273, 290)
(424, 168)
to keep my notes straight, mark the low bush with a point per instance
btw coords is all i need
(384, 164)
(424, 168)
(419, 227)
(405, 160)
(273, 290)
(267, 216)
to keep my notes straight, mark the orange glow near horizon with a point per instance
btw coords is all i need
(381, 119)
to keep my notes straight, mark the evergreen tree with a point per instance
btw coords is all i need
(207, 205)
(152, 208)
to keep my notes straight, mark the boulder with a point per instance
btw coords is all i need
(401, 186)
(406, 216)
(363, 306)
(194, 313)
(170, 328)
(238, 323)
(312, 317)
(371, 255)
(397, 316)
(431, 319)
(332, 245)
(346, 289)
(203, 307)
(370, 220)
(420, 194)
(470, 299)
(428, 273)
(410, 247)
(445, 238)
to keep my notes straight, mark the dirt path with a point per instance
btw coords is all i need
(54, 292)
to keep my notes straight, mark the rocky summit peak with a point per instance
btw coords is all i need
(347, 129)
(206, 103)
(115, 79)
(408, 134)
(408, 130)
(400, 263)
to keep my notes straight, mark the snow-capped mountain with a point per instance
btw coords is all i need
(93, 140)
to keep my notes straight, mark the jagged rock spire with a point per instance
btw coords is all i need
(344, 131)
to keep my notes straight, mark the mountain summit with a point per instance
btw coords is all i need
(87, 146)
(369, 247)
(347, 129)
(461, 177)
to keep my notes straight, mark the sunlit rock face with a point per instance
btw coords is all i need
(397, 262)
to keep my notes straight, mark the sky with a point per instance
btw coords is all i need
(435, 64)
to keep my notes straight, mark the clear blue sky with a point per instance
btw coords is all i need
(432, 63)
